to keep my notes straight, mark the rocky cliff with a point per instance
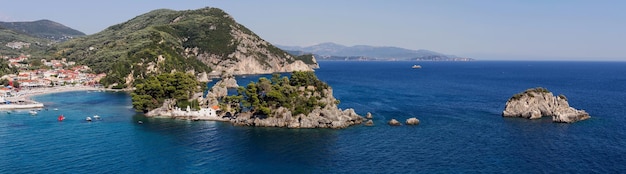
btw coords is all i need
(254, 55)
(219, 90)
(329, 116)
(539, 102)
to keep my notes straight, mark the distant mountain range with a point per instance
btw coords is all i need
(333, 51)
(45, 29)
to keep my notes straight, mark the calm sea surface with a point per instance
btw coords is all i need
(458, 103)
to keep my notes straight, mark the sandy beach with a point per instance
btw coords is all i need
(26, 94)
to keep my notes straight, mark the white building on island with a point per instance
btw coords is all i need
(203, 113)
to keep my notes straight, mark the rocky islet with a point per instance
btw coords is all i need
(538, 102)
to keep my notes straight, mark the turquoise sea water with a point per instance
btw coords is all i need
(458, 103)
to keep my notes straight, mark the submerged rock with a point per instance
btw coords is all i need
(535, 103)
(369, 123)
(394, 122)
(412, 121)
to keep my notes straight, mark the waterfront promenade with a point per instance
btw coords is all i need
(22, 99)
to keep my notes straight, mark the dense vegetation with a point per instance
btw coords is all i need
(134, 47)
(300, 94)
(161, 41)
(150, 93)
(37, 48)
(5, 69)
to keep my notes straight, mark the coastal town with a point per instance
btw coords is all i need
(38, 76)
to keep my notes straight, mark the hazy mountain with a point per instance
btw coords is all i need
(44, 29)
(163, 41)
(333, 51)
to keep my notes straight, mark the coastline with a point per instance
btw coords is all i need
(23, 99)
(26, 94)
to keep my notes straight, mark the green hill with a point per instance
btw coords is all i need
(9, 40)
(164, 41)
(45, 29)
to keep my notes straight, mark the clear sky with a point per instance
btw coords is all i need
(481, 29)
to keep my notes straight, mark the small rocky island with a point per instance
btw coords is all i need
(538, 102)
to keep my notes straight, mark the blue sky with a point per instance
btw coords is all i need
(482, 29)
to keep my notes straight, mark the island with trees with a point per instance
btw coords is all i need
(298, 101)
(302, 101)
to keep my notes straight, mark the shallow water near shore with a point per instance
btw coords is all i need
(458, 103)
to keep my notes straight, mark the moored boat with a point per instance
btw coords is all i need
(416, 66)
(88, 119)
(61, 117)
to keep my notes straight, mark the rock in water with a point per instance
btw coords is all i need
(412, 121)
(394, 122)
(535, 103)
(220, 89)
(369, 123)
(369, 115)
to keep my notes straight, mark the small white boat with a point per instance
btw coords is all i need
(56, 109)
(416, 66)
(32, 112)
(96, 117)
(88, 119)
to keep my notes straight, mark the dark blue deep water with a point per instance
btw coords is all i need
(458, 103)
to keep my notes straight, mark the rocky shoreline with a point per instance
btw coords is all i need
(319, 118)
(327, 117)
